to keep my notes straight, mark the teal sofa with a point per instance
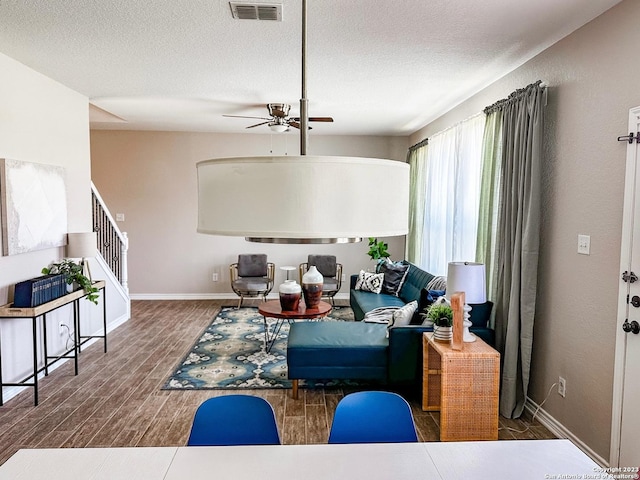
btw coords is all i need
(404, 352)
(362, 302)
(360, 350)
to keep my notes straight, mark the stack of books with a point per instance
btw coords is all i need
(39, 290)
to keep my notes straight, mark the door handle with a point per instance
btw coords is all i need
(635, 301)
(633, 327)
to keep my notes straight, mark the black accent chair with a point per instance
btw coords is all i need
(252, 276)
(331, 272)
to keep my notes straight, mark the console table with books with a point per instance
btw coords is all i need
(40, 312)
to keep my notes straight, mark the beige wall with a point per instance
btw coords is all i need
(41, 121)
(151, 178)
(593, 82)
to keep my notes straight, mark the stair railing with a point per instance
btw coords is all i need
(113, 244)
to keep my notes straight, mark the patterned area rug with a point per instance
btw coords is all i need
(230, 354)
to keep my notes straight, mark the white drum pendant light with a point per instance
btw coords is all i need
(303, 199)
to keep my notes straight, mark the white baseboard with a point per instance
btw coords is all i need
(10, 392)
(560, 431)
(206, 296)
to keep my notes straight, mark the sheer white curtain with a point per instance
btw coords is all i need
(453, 176)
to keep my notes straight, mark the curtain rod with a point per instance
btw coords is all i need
(421, 143)
(514, 95)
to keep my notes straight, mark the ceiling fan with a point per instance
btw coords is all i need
(279, 120)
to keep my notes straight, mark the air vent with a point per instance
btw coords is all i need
(256, 11)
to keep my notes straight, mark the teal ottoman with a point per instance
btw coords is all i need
(336, 350)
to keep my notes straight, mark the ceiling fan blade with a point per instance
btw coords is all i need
(315, 119)
(320, 119)
(242, 116)
(294, 124)
(258, 124)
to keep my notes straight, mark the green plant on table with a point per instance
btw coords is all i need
(440, 314)
(73, 273)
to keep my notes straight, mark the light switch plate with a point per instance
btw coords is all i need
(584, 244)
(119, 217)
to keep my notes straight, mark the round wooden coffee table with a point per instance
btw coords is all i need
(272, 309)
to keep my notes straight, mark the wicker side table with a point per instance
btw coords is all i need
(464, 386)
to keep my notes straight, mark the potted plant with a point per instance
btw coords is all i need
(441, 314)
(378, 250)
(73, 273)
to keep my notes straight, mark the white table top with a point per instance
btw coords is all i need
(521, 459)
(89, 463)
(516, 459)
(311, 462)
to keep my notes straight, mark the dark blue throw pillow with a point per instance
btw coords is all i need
(394, 276)
(427, 297)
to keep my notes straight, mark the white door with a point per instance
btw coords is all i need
(625, 442)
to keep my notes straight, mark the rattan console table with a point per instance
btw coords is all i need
(464, 386)
(40, 312)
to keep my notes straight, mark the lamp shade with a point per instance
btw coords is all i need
(303, 199)
(81, 245)
(467, 277)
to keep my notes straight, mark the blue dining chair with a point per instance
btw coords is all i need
(234, 420)
(373, 417)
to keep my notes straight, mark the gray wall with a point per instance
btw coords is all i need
(151, 178)
(593, 82)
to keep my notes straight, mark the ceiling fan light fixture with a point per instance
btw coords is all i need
(278, 127)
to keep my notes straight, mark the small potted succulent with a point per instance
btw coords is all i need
(441, 314)
(74, 274)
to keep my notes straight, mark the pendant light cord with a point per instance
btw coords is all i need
(304, 115)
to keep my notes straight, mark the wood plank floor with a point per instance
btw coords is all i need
(116, 400)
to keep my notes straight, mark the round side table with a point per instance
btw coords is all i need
(288, 268)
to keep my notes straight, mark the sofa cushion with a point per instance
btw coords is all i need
(416, 280)
(369, 282)
(325, 350)
(363, 302)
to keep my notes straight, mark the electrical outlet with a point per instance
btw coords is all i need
(584, 244)
(562, 387)
(344, 277)
(62, 328)
(214, 277)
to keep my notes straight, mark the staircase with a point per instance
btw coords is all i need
(113, 245)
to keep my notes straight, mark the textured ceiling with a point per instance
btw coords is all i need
(377, 67)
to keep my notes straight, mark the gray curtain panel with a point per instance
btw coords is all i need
(517, 239)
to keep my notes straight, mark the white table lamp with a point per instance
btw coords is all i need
(82, 245)
(467, 277)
